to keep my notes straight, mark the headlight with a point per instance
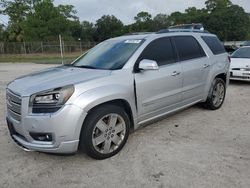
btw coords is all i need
(52, 100)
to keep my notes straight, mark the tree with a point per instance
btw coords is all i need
(143, 23)
(194, 15)
(191, 15)
(31, 20)
(248, 35)
(17, 11)
(2, 32)
(46, 21)
(177, 18)
(161, 21)
(74, 30)
(143, 17)
(211, 5)
(108, 26)
(68, 11)
(231, 23)
(228, 21)
(87, 31)
(38, 19)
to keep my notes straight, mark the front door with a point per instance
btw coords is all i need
(158, 91)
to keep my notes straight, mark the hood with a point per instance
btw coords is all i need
(53, 78)
(240, 63)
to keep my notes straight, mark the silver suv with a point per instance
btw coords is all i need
(95, 102)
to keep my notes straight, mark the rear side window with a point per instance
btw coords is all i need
(188, 48)
(214, 44)
(160, 50)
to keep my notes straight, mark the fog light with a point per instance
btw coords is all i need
(44, 137)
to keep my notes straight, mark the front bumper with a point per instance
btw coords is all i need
(240, 75)
(64, 125)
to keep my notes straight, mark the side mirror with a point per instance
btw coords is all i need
(147, 64)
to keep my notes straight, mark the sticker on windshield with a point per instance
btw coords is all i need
(133, 41)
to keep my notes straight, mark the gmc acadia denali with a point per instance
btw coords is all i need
(122, 83)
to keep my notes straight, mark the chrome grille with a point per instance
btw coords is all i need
(14, 103)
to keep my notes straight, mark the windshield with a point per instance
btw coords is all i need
(241, 53)
(109, 55)
(246, 43)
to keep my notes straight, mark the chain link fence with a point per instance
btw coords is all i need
(54, 47)
(43, 47)
(50, 52)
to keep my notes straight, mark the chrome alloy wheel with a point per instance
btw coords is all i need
(218, 94)
(108, 133)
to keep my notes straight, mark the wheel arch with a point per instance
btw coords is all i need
(121, 103)
(223, 76)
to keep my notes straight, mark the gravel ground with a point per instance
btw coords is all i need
(193, 148)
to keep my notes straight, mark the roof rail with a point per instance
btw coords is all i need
(181, 30)
(188, 26)
(138, 33)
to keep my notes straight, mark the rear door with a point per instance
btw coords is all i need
(158, 91)
(195, 67)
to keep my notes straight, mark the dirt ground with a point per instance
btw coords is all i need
(193, 148)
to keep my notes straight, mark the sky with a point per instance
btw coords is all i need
(125, 10)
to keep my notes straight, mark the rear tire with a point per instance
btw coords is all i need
(216, 95)
(105, 131)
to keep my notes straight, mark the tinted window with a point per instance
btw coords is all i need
(188, 48)
(214, 44)
(160, 50)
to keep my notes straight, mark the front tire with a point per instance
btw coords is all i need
(216, 94)
(105, 131)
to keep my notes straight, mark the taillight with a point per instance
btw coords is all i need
(229, 59)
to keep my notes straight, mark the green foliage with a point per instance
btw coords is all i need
(194, 15)
(17, 10)
(37, 19)
(87, 31)
(46, 21)
(142, 17)
(143, 22)
(108, 26)
(2, 33)
(212, 5)
(230, 23)
(68, 11)
(177, 18)
(161, 21)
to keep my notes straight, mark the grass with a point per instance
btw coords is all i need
(38, 58)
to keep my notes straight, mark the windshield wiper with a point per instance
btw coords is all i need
(86, 66)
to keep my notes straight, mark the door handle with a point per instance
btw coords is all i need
(175, 73)
(206, 66)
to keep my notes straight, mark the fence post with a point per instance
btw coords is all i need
(42, 47)
(61, 48)
(24, 47)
